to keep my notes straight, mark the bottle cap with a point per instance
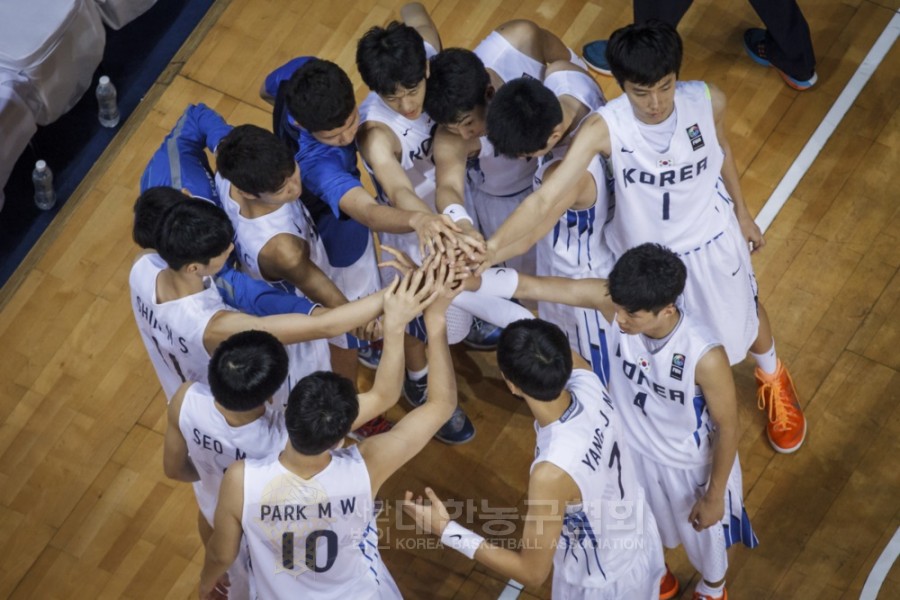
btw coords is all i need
(40, 165)
(104, 80)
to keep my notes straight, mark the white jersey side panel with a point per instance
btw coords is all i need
(172, 331)
(663, 409)
(314, 538)
(669, 197)
(506, 60)
(213, 444)
(604, 537)
(253, 234)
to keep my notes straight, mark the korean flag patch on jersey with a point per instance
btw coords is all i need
(695, 136)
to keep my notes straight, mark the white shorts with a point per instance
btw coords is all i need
(721, 291)
(641, 582)
(586, 329)
(489, 212)
(671, 494)
(356, 281)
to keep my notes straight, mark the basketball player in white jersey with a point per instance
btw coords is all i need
(182, 318)
(675, 179)
(277, 241)
(212, 426)
(587, 516)
(672, 383)
(530, 118)
(394, 140)
(307, 514)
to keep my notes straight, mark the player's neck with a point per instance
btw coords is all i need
(173, 285)
(665, 327)
(548, 412)
(303, 465)
(240, 418)
(573, 113)
(250, 207)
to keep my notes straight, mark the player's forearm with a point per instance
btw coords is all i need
(181, 470)
(441, 377)
(445, 195)
(510, 563)
(293, 329)
(388, 382)
(387, 219)
(316, 286)
(725, 446)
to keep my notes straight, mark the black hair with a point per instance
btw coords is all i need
(534, 356)
(522, 116)
(320, 96)
(647, 277)
(192, 231)
(247, 369)
(321, 409)
(254, 160)
(391, 57)
(149, 208)
(644, 53)
(457, 84)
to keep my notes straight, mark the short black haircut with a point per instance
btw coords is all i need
(522, 116)
(247, 369)
(254, 160)
(391, 57)
(534, 356)
(647, 277)
(148, 211)
(193, 231)
(644, 53)
(320, 96)
(457, 84)
(321, 408)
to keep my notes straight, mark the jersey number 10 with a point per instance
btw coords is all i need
(312, 550)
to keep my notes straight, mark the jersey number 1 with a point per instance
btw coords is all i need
(312, 550)
(666, 206)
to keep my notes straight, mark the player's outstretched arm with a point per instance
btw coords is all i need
(550, 199)
(403, 301)
(386, 453)
(177, 463)
(549, 489)
(287, 257)
(713, 375)
(224, 545)
(296, 328)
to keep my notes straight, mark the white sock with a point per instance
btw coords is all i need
(417, 375)
(767, 361)
(707, 590)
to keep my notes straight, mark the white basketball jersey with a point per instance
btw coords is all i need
(669, 197)
(577, 84)
(603, 537)
(314, 538)
(253, 234)
(214, 444)
(663, 409)
(172, 331)
(506, 60)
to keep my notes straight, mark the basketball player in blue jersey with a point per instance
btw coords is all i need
(672, 384)
(181, 163)
(676, 183)
(307, 514)
(587, 516)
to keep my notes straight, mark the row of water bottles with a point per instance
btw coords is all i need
(107, 114)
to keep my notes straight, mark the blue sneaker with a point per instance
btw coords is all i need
(458, 430)
(483, 335)
(370, 356)
(755, 46)
(594, 54)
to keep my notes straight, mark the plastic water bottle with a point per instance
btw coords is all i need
(106, 99)
(42, 178)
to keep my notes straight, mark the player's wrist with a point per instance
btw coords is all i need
(461, 539)
(457, 212)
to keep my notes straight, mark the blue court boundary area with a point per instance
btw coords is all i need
(133, 59)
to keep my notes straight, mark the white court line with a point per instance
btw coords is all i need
(840, 107)
(881, 568)
(783, 191)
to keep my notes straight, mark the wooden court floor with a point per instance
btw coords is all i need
(86, 512)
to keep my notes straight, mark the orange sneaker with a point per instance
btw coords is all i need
(668, 586)
(699, 596)
(776, 394)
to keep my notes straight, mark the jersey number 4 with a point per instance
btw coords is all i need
(312, 550)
